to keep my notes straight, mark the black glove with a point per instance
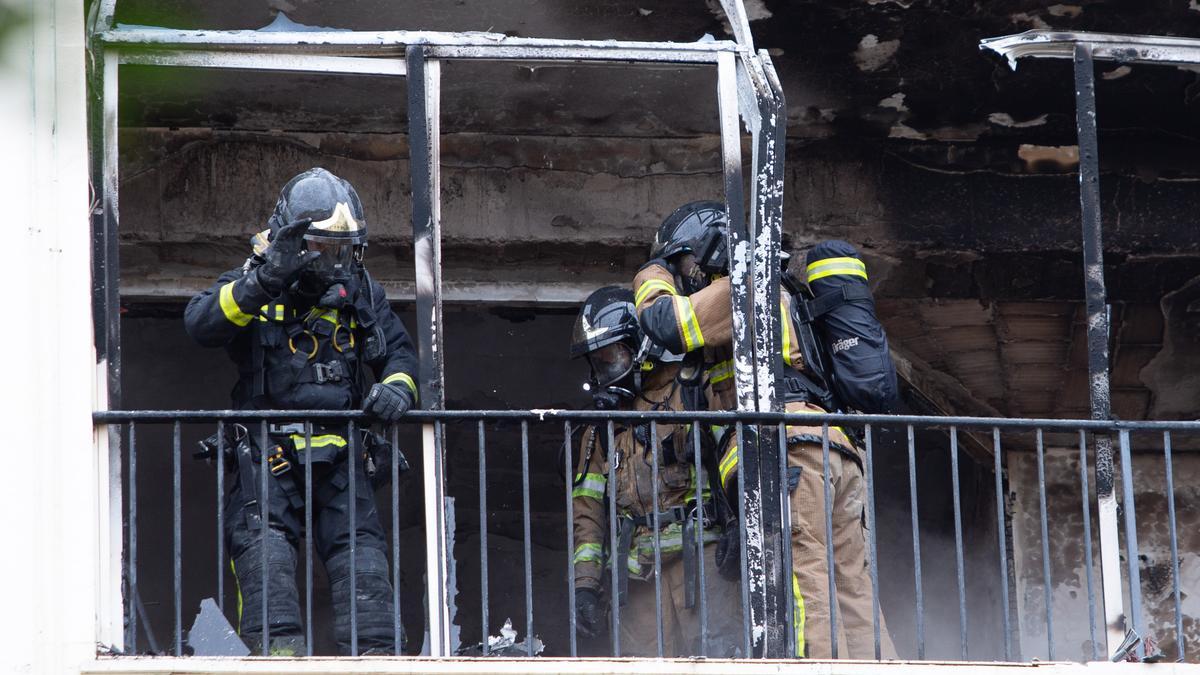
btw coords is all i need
(285, 258)
(729, 552)
(387, 402)
(588, 617)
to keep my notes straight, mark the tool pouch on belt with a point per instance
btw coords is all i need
(378, 457)
(214, 444)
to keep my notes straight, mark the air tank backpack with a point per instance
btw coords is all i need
(850, 350)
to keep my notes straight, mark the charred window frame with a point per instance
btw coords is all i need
(748, 91)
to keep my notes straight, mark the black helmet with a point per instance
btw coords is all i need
(338, 229)
(683, 230)
(607, 332)
(329, 201)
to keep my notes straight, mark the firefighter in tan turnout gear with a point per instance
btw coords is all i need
(684, 305)
(626, 376)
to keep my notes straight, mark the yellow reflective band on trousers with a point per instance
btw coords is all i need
(238, 585)
(648, 287)
(230, 307)
(592, 486)
(728, 463)
(798, 615)
(785, 321)
(832, 266)
(318, 441)
(405, 378)
(588, 553)
(720, 372)
(685, 314)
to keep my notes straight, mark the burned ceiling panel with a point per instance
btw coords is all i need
(863, 68)
(653, 20)
(477, 97)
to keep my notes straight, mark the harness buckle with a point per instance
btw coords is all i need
(706, 519)
(277, 463)
(328, 372)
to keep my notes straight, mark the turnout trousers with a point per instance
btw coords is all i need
(681, 625)
(376, 623)
(855, 603)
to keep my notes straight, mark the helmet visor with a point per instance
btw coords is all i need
(335, 260)
(611, 363)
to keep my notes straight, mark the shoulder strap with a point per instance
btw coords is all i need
(824, 303)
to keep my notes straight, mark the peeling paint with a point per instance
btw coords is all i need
(1006, 120)
(903, 4)
(895, 102)
(1116, 73)
(872, 54)
(1032, 19)
(901, 130)
(756, 10)
(1047, 157)
(1071, 11)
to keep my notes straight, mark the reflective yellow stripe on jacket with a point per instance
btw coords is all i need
(721, 371)
(693, 339)
(728, 463)
(230, 307)
(405, 378)
(648, 287)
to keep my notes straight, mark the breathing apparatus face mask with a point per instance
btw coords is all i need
(336, 262)
(612, 367)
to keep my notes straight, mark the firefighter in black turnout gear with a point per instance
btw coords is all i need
(303, 322)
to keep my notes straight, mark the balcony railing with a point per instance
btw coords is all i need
(982, 603)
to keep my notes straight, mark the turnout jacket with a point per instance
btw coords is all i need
(704, 320)
(634, 489)
(292, 354)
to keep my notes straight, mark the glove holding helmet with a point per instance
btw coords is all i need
(692, 243)
(318, 234)
(285, 258)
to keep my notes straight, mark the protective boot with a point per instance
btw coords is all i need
(376, 615)
(283, 600)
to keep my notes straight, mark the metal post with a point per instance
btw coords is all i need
(106, 312)
(754, 364)
(1097, 337)
(1132, 560)
(766, 226)
(423, 107)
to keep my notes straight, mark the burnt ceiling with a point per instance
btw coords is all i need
(872, 68)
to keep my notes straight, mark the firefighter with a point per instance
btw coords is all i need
(684, 305)
(304, 322)
(629, 374)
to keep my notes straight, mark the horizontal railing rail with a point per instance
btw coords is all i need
(558, 414)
